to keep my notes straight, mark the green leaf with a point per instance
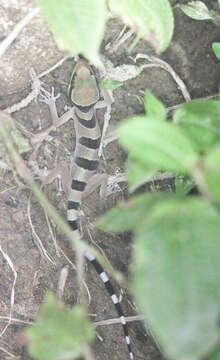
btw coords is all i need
(157, 145)
(199, 119)
(175, 275)
(20, 141)
(196, 10)
(129, 215)
(153, 20)
(110, 84)
(78, 26)
(212, 172)
(215, 354)
(122, 72)
(215, 17)
(154, 108)
(58, 333)
(216, 49)
(136, 171)
(183, 185)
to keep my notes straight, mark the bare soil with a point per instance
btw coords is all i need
(191, 56)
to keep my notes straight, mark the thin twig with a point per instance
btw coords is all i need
(36, 238)
(119, 42)
(52, 234)
(9, 353)
(62, 282)
(95, 323)
(55, 66)
(14, 320)
(36, 87)
(107, 118)
(10, 264)
(12, 36)
(118, 321)
(109, 44)
(95, 244)
(81, 277)
(174, 107)
(8, 189)
(74, 267)
(162, 64)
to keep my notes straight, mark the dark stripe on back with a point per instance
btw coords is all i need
(84, 108)
(72, 205)
(86, 164)
(90, 143)
(89, 124)
(97, 266)
(73, 224)
(78, 185)
(120, 313)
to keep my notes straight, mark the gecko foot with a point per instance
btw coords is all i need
(48, 97)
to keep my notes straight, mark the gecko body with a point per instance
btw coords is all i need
(85, 96)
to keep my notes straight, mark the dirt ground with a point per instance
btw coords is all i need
(190, 54)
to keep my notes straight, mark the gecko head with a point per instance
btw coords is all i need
(83, 89)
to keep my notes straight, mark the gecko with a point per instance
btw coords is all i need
(85, 94)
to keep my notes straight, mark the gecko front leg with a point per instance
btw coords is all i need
(50, 98)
